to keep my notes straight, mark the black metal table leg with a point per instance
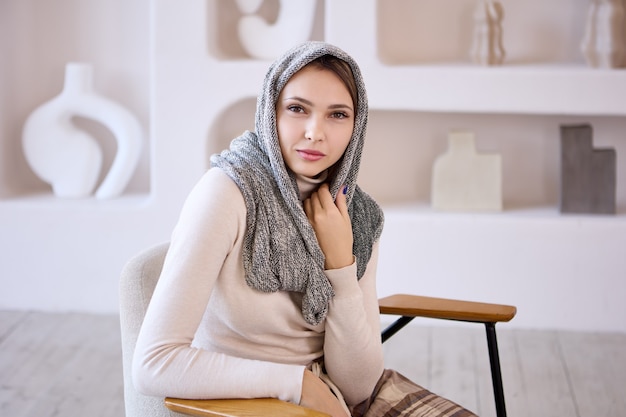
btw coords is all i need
(494, 358)
(395, 327)
(496, 373)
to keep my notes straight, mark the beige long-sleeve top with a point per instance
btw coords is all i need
(207, 334)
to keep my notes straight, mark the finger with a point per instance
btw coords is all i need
(313, 207)
(341, 201)
(316, 204)
(325, 197)
(307, 207)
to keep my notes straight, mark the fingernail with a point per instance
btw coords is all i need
(345, 189)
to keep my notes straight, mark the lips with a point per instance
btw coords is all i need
(310, 154)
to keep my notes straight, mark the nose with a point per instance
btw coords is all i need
(315, 129)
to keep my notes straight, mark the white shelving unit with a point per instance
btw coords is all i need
(60, 254)
(561, 271)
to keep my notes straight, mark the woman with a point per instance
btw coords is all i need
(268, 288)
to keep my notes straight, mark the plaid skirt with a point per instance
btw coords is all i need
(396, 396)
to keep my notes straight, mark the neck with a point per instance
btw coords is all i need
(306, 185)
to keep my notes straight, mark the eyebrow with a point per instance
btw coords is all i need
(309, 103)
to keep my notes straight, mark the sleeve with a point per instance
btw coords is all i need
(165, 362)
(353, 354)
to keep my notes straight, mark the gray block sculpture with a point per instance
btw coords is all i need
(588, 175)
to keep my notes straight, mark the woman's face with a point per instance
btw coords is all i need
(315, 119)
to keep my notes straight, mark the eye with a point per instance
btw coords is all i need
(296, 108)
(339, 115)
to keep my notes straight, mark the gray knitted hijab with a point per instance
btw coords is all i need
(281, 251)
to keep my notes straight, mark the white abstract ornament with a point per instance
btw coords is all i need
(68, 158)
(604, 42)
(264, 41)
(249, 6)
(487, 46)
(464, 180)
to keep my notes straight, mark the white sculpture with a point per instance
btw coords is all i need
(487, 46)
(249, 6)
(264, 41)
(604, 42)
(465, 180)
(70, 159)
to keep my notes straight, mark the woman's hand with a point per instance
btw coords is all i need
(332, 226)
(317, 396)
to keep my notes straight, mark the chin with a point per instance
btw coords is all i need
(308, 171)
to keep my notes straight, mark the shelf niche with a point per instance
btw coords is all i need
(28, 79)
(223, 17)
(401, 148)
(230, 123)
(411, 32)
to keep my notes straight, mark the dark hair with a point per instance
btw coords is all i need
(342, 69)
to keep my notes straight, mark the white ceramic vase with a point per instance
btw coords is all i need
(264, 41)
(604, 42)
(464, 180)
(68, 158)
(487, 48)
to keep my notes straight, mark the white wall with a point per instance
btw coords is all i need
(193, 89)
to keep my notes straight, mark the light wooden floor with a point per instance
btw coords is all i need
(70, 365)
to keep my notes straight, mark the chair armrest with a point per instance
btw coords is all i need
(257, 407)
(442, 308)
